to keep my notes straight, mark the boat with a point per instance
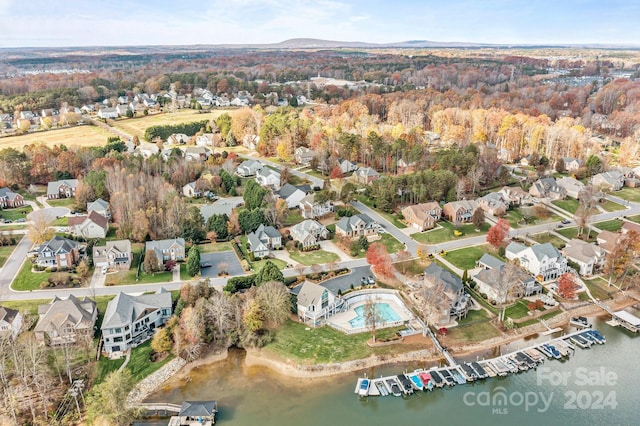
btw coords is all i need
(599, 337)
(503, 369)
(405, 384)
(580, 322)
(544, 351)
(481, 373)
(426, 380)
(457, 376)
(513, 367)
(393, 386)
(469, 372)
(384, 391)
(415, 381)
(447, 377)
(553, 350)
(438, 381)
(583, 343)
(363, 388)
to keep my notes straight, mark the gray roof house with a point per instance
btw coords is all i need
(171, 249)
(366, 175)
(547, 188)
(311, 209)
(293, 194)
(490, 274)
(494, 203)
(356, 226)
(304, 155)
(316, 303)
(613, 180)
(10, 322)
(66, 320)
(99, 206)
(543, 261)
(571, 164)
(589, 257)
(268, 178)
(114, 254)
(248, 168)
(62, 189)
(263, 240)
(10, 199)
(58, 252)
(436, 275)
(131, 320)
(196, 413)
(309, 232)
(572, 186)
(189, 190)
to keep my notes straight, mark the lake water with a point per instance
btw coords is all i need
(599, 385)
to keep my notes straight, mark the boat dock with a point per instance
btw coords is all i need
(461, 373)
(626, 320)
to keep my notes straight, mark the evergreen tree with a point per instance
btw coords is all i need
(193, 261)
(269, 272)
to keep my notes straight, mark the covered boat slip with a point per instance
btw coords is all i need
(626, 320)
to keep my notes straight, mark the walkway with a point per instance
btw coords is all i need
(412, 245)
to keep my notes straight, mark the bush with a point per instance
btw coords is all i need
(236, 284)
(501, 251)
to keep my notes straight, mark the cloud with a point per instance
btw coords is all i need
(358, 18)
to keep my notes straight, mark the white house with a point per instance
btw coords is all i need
(571, 164)
(122, 110)
(309, 233)
(99, 206)
(589, 257)
(108, 113)
(304, 155)
(10, 322)
(268, 178)
(311, 209)
(189, 190)
(263, 240)
(248, 168)
(491, 269)
(205, 139)
(177, 139)
(293, 195)
(114, 254)
(543, 261)
(131, 320)
(92, 226)
(316, 303)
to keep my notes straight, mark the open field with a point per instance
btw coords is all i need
(613, 225)
(570, 204)
(72, 136)
(467, 257)
(546, 237)
(312, 257)
(610, 206)
(445, 233)
(137, 126)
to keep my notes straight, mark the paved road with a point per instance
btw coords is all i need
(315, 181)
(12, 266)
(389, 227)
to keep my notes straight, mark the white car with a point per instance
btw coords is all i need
(104, 270)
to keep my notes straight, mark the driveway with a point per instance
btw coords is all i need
(343, 282)
(411, 245)
(52, 212)
(12, 265)
(229, 257)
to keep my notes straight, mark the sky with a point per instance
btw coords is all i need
(45, 23)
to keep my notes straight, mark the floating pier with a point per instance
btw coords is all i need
(465, 372)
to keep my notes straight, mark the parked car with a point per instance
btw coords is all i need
(381, 231)
(371, 280)
(21, 220)
(364, 281)
(8, 221)
(104, 270)
(565, 221)
(205, 265)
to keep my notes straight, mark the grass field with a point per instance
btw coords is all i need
(137, 126)
(14, 214)
(62, 202)
(214, 247)
(573, 233)
(473, 332)
(570, 204)
(5, 252)
(610, 206)
(27, 280)
(599, 288)
(609, 225)
(324, 344)
(392, 245)
(635, 218)
(445, 233)
(631, 194)
(72, 136)
(313, 257)
(390, 217)
(467, 257)
(139, 364)
(548, 238)
(257, 266)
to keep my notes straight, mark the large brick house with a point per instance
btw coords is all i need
(10, 199)
(62, 189)
(58, 252)
(459, 211)
(422, 216)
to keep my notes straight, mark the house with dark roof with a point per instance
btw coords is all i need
(58, 252)
(99, 206)
(10, 199)
(547, 188)
(422, 216)
(356, 226)
(10, 323)
(543, 261)
(114, 254)
(200, 413)
(131, 320)
(171, 249)
(435, 276)
(459, 211)
(263, 240)
(66, 321)
(316, 303)
(62, 189)
(366, 175)
(92, 226)
(293, 194)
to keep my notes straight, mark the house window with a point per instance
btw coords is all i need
(128, 336)
(126, 328)
(117, 339)
(118, 330)
(325, 299)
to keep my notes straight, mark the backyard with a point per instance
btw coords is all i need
(139, 364)
(598, 287)
(467, 257)
(444, 232)
(313, 257)
(570, 204)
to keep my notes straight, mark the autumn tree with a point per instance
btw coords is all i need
(151, 262)
(620, 262)
(567, 285)
(107, 402)
(401, 257)
(372, 317)
(498, 233)
(39, 231)
(275, 302)
(139, 226)
(336, 173)
(379, 259)
(161, 341)
(478, 217)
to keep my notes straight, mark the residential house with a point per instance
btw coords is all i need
(62, 189)
(92, 226)
(304, 155)
(205, 139)
(345, 166)
(459, 211)
(628, 226)
(189, 190)
(543, 261)
(309, 233)
(220, 207)
(516, 196)
(490, 275)
(573, 187)
(315, 303)
(613, 180)
(435, 276)
(171, 249)
(589, 257)
(177, 139)
(268, 178)
(403, 166)
(66, 321)
(196, 153)
(293, 195)
(27, 115)
(10, 322)
(525, 161)
(356, 226)
(312, 209)
(547, 188)
(105, 113)
(88, 109)
(146, 149)
(122, 110)
(422, 216)
(239, 101)
(493, 203)
(123, 100)
(608, 240)
(10, 199)
(131, 320)
(366, 175)
(58, 252)
(250, 141)
(263, 240)
(249, 168)
(572, 164)
(114, 254)
(99, 206)
(201, 413)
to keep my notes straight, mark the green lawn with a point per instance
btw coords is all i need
(309, 345)
(445, 233)
(214, 247)
(513, 217)
(139, 364)
(635, 218)
(61, 221)
(314, 257)
(293, 217)
(475, 316)
(467, 257)
(17, 213)
(610, 206)
(27, 280)
(258, 265)
(631, 194)
(129, 277)
(599, 288)
(5, 252)
(390, 217)
(570, 204)
(544, 237)
(62, 202)
(411, 267)
(474, 332)
(573, 233)
(609, 225)
(518, 310)
(392, 245)
(537, 320)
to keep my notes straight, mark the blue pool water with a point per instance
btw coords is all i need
(386, 313)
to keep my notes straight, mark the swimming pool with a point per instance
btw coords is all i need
(384, 311)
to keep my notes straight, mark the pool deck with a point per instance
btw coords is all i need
(341, 320)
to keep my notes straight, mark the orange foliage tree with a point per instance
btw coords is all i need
(379, 259)
(567, 286)
(498, 233)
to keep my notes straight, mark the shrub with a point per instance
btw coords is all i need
(236, 284)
